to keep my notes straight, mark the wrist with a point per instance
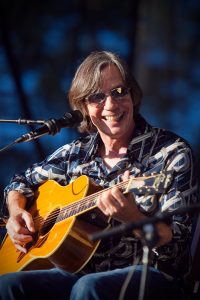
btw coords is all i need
(15, 202)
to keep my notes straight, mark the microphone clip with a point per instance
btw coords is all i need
(53, 126)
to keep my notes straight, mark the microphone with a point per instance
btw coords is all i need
(23, 121)
(53, 126)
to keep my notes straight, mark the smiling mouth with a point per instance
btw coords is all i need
(117, 117)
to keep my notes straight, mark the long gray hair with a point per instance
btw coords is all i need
(87, 80)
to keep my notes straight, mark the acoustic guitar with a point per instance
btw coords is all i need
(64, 218)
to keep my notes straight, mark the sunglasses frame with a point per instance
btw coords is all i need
(105, 95)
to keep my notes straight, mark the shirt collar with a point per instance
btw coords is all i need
(142, 131)
(92, 147)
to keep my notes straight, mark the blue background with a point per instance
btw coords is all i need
(42, 43)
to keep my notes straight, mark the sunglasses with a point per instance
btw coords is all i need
(97, 99)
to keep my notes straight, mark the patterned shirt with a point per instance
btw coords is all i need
(151, 150)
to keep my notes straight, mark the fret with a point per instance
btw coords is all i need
(150, 185)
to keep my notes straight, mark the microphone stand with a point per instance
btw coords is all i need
(51, 126)
(20, 122)
(23, 121)
(129, 227)
(149, 239)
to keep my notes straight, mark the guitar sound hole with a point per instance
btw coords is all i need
(49, 222)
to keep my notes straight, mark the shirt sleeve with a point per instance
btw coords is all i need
(52, 168)
(184, 188)
(184, 191)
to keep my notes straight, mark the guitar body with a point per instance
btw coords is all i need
(65, 243)
(64, 217)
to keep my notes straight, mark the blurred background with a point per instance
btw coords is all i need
(42, 43)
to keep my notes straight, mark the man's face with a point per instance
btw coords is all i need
(113, 117)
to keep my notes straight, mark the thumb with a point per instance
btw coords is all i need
(126, 175)
(28, 221)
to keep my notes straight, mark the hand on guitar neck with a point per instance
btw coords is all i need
(123, 208)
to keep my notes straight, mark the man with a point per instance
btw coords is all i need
(119, 145)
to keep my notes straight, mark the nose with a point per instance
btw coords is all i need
(110, 102)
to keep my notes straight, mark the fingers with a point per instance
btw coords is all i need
(20, 241)
(20, 229)
(126, 175)
(111, 202)
(117, 205)
(28, 221)
(21, 223)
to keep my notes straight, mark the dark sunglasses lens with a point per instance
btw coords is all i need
(116, 93)
(119, 92)
(96, 98)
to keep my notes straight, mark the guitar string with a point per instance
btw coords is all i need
(79, 203)
(89, 197)
(68, 211)
(85, 200)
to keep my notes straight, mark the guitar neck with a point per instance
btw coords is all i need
(149, 185)
(78, 207)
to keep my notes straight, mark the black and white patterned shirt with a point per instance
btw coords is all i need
(150, 150)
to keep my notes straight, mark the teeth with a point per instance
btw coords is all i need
(113, 117)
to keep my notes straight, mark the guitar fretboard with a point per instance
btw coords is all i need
(77, 208)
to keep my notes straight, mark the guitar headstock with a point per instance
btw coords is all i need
(150, 185)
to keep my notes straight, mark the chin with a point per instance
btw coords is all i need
(117, 134)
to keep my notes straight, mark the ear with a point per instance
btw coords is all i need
(85, 110)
